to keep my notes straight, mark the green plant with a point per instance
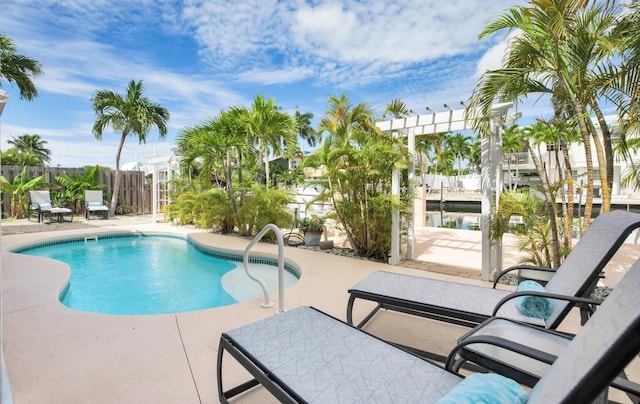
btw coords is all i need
(21, 185)
(181, 210)
(75, 185)
(356, 161)
(311, 224)
(262, 207)
(124, 209)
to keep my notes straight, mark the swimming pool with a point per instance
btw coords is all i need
(157, 274)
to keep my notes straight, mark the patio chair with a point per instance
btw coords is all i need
(40, 203)
(304, 355)
(93, 202)
(469, 305)
(521, 351)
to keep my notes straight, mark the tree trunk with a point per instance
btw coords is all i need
(585, 133)
(570, 197)
(551, 208)
(606, 176)
(509, 172)
(116, 182)
(563, 198)
(260, 163)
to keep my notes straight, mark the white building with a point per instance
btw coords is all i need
(518, 168)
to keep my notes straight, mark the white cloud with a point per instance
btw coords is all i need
(268, 77)
(299, 51)
(493, 57)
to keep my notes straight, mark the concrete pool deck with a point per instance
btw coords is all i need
(56, 354)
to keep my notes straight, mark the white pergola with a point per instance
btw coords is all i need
(491, 173)
(163, 170)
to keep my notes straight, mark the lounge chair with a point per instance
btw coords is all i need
(469, 305)
(93, 202)
(304, 355)
(40, 203)
(520, 351)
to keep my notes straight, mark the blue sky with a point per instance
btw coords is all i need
(198, 57)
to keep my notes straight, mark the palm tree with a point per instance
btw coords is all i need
(512, 144)
(270, 127)
(341, 117)
(132, 113)
(559, 47)
(357, 159)
(305, 130)
(459, 145)
(18, 69)
(423, 143)
(533, 135)
(396, 108)
(32, 148)
(425, 146)
(214, 144)
(624, 85)
(475, 155)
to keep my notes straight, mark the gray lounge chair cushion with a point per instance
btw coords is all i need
(531, 337)
(94, 201)
(451, 296)
(327, 361)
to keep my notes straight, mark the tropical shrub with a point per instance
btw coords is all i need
(213, 209)
(209, 209)
(74, 186)
(357, 160)
(262, 207)
(534, 235)
(18, 190)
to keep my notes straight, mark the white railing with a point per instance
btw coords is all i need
(265, 289)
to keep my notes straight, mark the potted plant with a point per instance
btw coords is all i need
(312, 229)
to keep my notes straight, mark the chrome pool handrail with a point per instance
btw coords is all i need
(265, 289)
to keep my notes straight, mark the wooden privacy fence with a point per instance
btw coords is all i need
(135, 191)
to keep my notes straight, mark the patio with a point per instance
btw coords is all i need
(56, 354)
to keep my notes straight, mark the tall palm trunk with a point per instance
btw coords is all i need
(229, 184)
(259, 175)
(116, 181)
(608, 156)
(570, 197)
(550, 203)
(566, 221)
(585, 133)
(602, 164)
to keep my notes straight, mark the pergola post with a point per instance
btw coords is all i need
(394, 259)
(411, 145)
(491, 180)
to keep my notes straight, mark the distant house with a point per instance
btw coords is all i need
(295, 162)
(527, 175)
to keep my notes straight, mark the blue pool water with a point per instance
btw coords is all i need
(152, 275)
